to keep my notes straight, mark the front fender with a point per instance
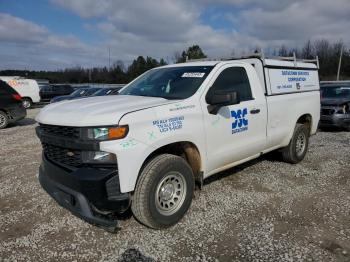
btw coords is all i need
(150, 130)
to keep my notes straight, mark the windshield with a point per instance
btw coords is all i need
(336, 92)
(103, 92)
(84, 92)
(169, 83)
(91, 91)
(79, 92)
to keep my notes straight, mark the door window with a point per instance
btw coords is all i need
(233, 79)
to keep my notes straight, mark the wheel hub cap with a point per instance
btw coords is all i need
(170, 193)
(167, 192)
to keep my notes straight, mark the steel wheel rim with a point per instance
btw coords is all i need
(25, 104)
(2, 120)
(170, 193)
(300, 144)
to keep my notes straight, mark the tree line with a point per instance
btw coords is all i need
(116, 74)
(327, 52)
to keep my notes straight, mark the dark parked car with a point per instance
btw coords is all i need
(50, 91)
(335, 105)
(106, 91)
(11, 107)
(79, 93)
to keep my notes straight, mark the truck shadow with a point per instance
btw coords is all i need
(331, 130)
(39, 105)
(271, 157)
(23, 122)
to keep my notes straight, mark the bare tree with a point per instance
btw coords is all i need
(283, 51)
(176, 56)
(307, 51)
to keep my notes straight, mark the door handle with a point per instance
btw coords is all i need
(255, 111)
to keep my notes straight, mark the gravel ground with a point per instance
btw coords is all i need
(265, 210)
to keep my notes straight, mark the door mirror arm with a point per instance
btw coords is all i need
(220, 99)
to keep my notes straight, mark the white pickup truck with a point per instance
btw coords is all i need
(170, 128)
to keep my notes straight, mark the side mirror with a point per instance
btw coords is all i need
(220, 99)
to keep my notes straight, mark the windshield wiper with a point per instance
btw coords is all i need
(165, 97)
(173, 97)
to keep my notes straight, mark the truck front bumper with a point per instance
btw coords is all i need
(89, 193)
(335, 120)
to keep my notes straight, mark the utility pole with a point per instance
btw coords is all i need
(109, 57)
(339, 65)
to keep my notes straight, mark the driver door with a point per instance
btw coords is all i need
(237, 131)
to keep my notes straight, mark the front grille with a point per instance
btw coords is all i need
(63, 155)
(327, 111)
(62, 131)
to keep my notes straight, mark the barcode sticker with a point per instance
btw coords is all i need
(193, 74)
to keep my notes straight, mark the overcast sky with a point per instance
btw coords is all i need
(64, 33)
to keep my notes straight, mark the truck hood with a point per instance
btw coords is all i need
(95, 111)
(334, 101)
(67, 97)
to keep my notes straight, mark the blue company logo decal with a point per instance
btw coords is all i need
(240, 123)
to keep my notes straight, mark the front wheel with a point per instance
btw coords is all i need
(164, 192)
(298, 145)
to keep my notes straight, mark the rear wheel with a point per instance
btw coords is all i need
(3, 120)
(164, 192)
(27, 102)
(298, 145)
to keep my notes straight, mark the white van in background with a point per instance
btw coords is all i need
(27, 88)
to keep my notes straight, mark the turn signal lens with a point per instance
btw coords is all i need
(108, 133)
(118, 132)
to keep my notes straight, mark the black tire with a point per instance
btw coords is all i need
(27, 103)
(147, 203)
(4, 121)
(294, 152)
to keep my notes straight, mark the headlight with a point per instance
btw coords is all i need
(108, 133)
(99, 157)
